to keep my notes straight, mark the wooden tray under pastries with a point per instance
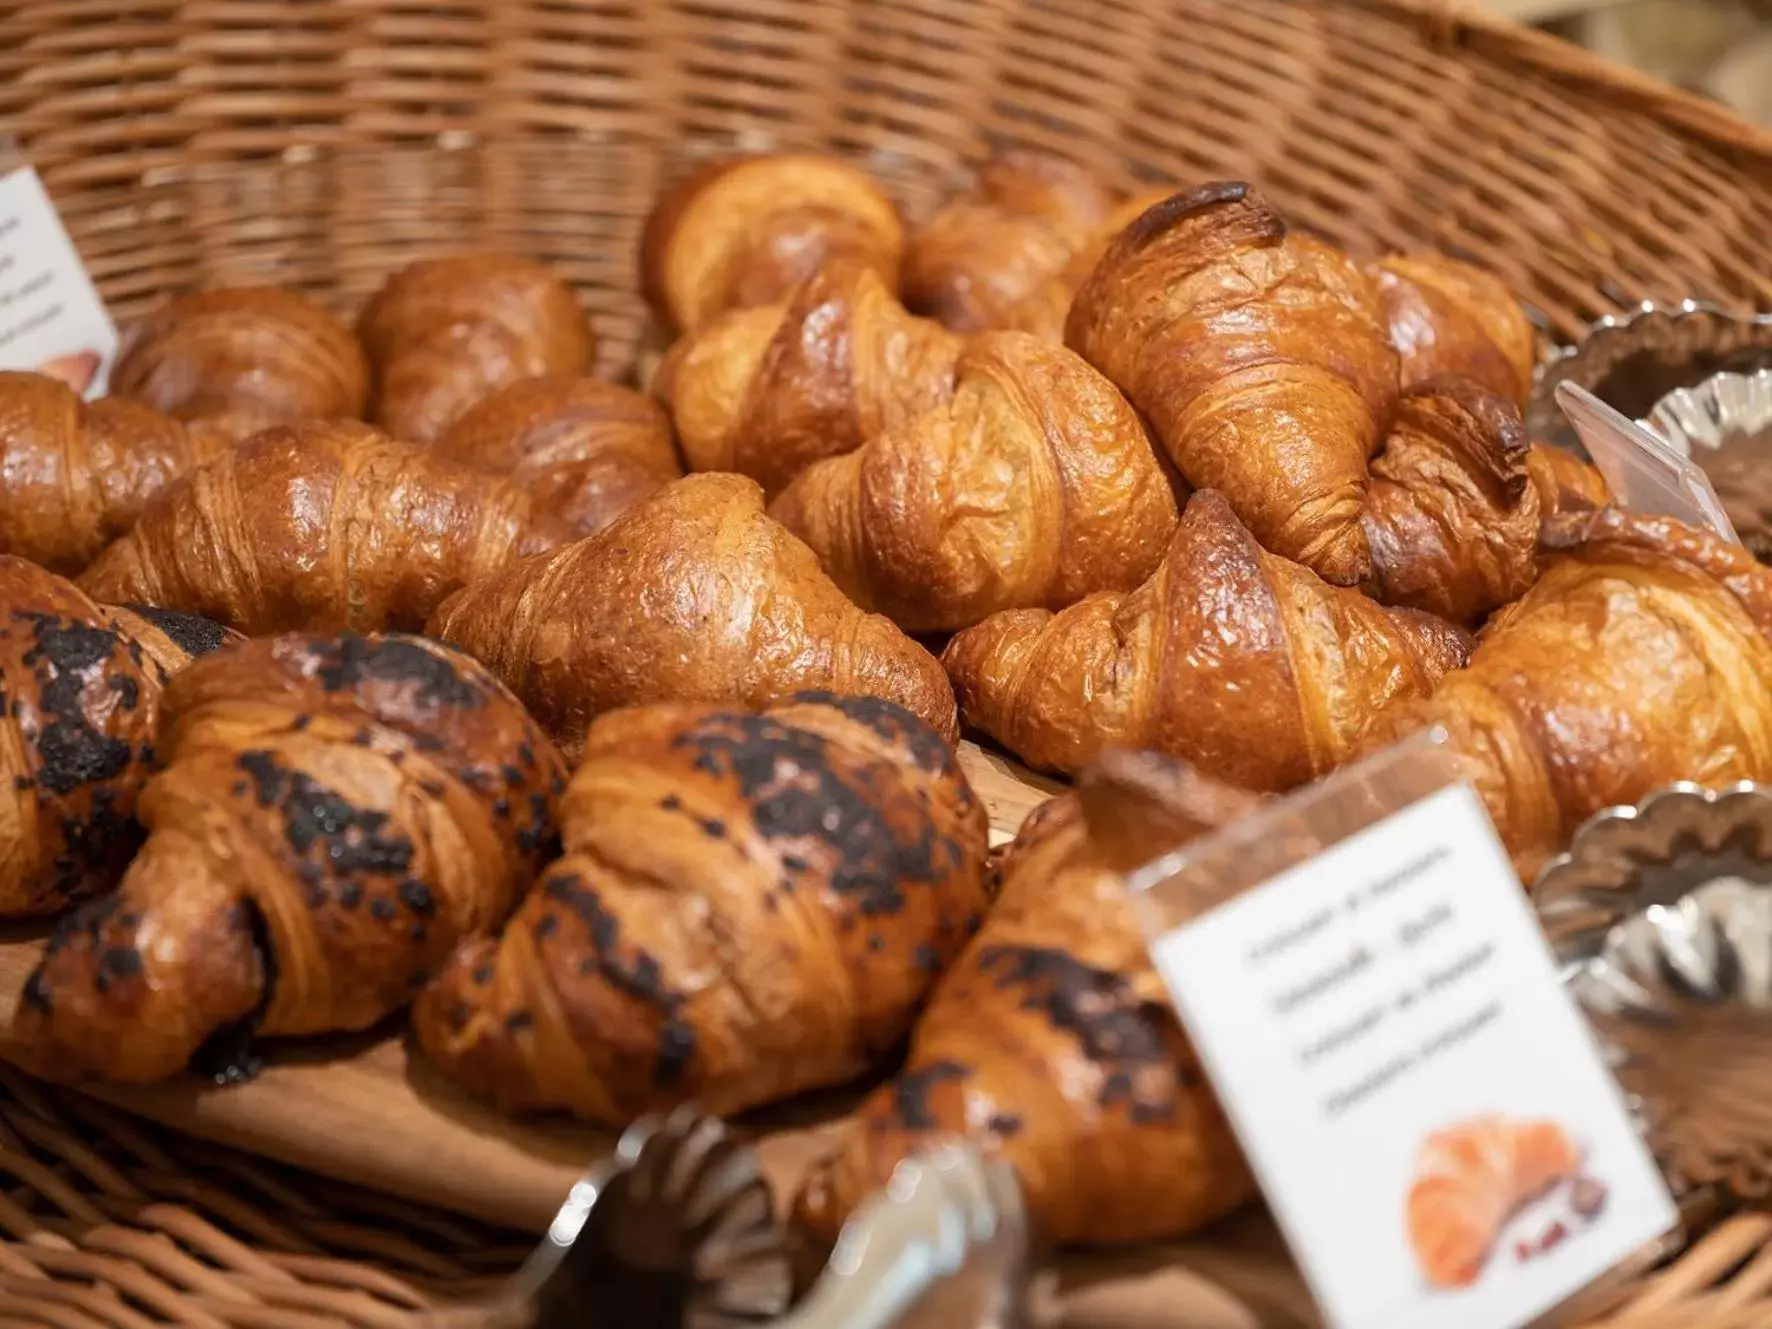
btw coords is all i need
(364, 1110)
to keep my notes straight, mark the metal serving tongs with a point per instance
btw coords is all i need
(675, 1228)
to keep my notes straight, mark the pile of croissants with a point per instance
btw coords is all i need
(613, 730)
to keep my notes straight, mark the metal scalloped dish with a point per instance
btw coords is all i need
(1634, 359)
(1725, 425)
(1661, 916)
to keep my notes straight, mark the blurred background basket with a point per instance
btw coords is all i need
(322, 144)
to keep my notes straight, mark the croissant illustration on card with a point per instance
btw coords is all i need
(76, 370)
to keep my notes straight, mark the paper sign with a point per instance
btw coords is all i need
(51, 317)
(1645, 474)
(1427, 1113)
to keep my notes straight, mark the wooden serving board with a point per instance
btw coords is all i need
(365, 1110)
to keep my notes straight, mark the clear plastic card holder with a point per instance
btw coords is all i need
(1174, 890)
(1645, 474)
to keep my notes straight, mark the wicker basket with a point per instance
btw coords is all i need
(320, 145)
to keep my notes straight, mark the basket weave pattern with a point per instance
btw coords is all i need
(322, 145)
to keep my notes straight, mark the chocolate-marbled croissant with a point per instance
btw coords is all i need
(751, 904)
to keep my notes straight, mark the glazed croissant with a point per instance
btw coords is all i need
(1640, 657)
(79, 684)
(984, 261)
(442, 334)
(1447, 317)
(1565, 483)
(1033, 487)
(1260, 359)
(1242, 662)
(73, 477)
(747, 230)
(767, 391)
(584, 451)
(750, 906)
(233, 362)
(1452, 515)
(318, 526)
(334, 814)
(692, 595)
(1052, 1039)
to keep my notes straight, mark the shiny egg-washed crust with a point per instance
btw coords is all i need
(1033, 487)
(443, 334)
(768, 391)
(1565, 483)
(987, 259)
(79, 684)
(74, 477)
(1643, 655)
(1052, 1041)
(1260, 359)
(693, 595)
(334, 814)
(319, 526)
(745, 231)
(1447, 317)
(235, 361)
(585, 451)
(1452, 515)
(750, 905)
(1242, 662)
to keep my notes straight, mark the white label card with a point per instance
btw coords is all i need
(1427, 1112)
(51, 317)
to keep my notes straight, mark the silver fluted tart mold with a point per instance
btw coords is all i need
(1661, 916)
(1725, 425)
(1634, 359)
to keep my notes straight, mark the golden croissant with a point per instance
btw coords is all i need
(334, 814)
(1447, 317)
(1640, 657)
(1052, 1041)
(750, 905)
(318, 526)
(73, 476)
(232, 362)
(767, 391)
(986, 259)
(1260, 359)
(79, 686)
(585, 451)
(1452, 515)
(1033, 487)
(1239, 661)
(746, 230)
(692, 595)
(443, 334)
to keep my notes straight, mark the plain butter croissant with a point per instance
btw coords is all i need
(1452, 515)
(584, 450)
(1240, 661)
(745, 231)
(1052, 1040)
(692, 595)
(79, 685)
(751, 905)
(442, 334)
(1642, 656)
(73, 476)
(989, 259)
(233, 362)
(767, 391)
(1260, 359)
(1447, 317)
(1033, 487)
(334, 814)
(318, 526)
